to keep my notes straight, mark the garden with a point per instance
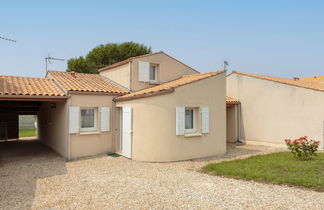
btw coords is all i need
(302, 166)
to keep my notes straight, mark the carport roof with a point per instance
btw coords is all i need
(28, 86)
(82, 82)
(168, 86)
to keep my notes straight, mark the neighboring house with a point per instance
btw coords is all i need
(317, 79)
(145, 71)
(273, 109)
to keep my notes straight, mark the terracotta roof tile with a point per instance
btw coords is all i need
(230, 100)
(299, 83)
(28, 86)
(319, 79)
(86, 82)
(168, 86)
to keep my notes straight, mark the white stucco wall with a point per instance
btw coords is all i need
(119, 74)
(154, 123)
(272, 111)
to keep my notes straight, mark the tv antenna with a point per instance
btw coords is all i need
(225, 65)
(8, 39)
(49, 58)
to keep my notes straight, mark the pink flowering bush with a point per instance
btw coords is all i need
(303, 148)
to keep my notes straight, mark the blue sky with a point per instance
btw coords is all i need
(277, 38)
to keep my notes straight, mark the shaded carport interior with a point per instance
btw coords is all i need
(9, 116)
(38, 96)
(51, 120)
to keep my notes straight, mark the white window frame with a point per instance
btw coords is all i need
(156, 66)
(194, 129)
(90, 129)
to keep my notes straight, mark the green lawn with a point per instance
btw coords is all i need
(27, 133)
(280, 168)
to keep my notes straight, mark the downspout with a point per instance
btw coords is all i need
(130, 75)
(113, 125)
(238, 126)
(69, 135)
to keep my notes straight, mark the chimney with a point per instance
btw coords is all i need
(73, 74)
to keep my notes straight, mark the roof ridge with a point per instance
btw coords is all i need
(26, 77)
(127, 60)
(140, 56)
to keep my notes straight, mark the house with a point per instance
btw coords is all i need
(272, 109)
(148, 108)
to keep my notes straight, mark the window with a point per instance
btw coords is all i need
(88, 119)
(190, 120)
(153, 72)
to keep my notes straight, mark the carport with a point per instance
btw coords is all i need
(232, 120)
(36, 96)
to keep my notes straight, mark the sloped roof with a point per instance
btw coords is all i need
(319, 79)
(230, 100)
(168, 86)
(28, 86)
(126, 61)
(71, 81)
(299, 83)
(140, 56)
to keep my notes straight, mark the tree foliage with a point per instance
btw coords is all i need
(106, 54)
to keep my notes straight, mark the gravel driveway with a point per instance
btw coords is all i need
(42, 180)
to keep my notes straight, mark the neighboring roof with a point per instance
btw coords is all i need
(168, 86)
(28, 86)
(299, 83)
(319, 79)
(140, 56)
(230, 100)
(72, 81)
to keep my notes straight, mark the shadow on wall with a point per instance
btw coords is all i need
(21, 164)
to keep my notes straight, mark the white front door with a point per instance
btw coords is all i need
(126, 132)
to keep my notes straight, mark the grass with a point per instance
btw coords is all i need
(278, 168)
(27, 133)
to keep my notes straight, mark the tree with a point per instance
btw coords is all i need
(106, 54)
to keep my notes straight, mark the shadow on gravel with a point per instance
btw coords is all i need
(21, 164)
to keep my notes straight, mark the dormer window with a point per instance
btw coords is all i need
(153, 72)
(148, 72)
